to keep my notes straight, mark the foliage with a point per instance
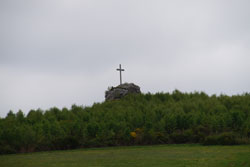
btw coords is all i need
(134, 120)
(221, 139)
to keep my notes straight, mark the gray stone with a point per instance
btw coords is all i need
(121, 91)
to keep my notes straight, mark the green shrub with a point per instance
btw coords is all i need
(6, 149)
(199, 133)
(182, 136)
(227, 138)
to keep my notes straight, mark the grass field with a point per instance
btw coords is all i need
(162, 155)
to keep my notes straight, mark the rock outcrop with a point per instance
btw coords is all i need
(121, 91)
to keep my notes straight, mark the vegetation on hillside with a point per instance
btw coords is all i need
(159, 118)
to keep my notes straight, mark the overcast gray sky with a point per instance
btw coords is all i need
(64, 52)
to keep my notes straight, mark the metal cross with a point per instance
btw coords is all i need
(120, 69)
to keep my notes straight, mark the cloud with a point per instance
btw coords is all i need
(60, 52)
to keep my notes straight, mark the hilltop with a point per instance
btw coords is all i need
(136, 119)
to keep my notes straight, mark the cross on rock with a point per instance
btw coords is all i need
(120, 69)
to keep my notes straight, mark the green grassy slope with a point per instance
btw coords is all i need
(163, 155)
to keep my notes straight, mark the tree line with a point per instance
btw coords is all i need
(161, 118)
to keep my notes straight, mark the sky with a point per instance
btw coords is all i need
(55, 53)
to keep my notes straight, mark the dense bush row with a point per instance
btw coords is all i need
(136, 119)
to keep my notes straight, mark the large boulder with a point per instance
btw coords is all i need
(121, 91)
